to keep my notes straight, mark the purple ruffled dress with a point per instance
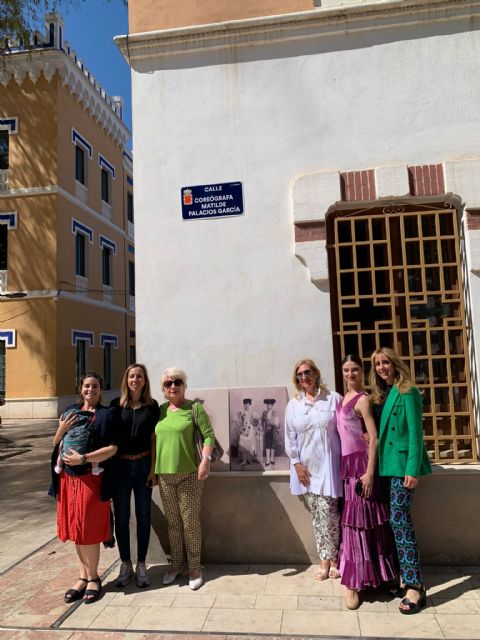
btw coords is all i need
(367, 554)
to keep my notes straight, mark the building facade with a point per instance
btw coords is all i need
(359, 161)
(67, 298)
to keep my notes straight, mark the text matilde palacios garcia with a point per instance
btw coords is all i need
(218, 204)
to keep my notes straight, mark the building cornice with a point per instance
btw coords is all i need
(54, 189)
(369, 16)
(20, 65)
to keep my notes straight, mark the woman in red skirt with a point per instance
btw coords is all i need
(83, 488)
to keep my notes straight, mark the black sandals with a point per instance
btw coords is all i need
(92, 595)
(72, 595)
(414, 607)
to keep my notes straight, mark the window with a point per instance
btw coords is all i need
(396, 280)
(4, 146)
(106, 177)
(3, 368)
(129, 206)
(80, 164)
(107, 366)
(80, 361)
(107, 265)
(133, 354)
(131, 278)
(80, 249)
(3, 247)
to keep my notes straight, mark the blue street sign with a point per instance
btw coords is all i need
(212, 200)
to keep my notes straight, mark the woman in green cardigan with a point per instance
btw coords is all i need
(402, 458)
(180, 477)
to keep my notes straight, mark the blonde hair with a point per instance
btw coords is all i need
(126, 395)
(403, 378)
(172, 373)
(310, 363)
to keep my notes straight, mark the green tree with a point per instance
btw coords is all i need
(18, 18)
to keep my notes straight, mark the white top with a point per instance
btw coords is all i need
(311, 438)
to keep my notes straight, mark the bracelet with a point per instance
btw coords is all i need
(84, 459)
(209, 458)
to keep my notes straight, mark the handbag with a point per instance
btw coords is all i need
(217, 451)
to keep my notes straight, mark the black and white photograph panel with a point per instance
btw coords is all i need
(215, 403)
(257, 441)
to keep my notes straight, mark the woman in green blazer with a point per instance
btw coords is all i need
(402, 458)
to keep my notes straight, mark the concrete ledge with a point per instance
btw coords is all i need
(255, 519)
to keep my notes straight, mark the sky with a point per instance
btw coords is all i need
(90, 26)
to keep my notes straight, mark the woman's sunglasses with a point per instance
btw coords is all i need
(304, 374)
(177, 382)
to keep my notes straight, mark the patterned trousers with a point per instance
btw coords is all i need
(326, 524)
(181, 495)
(402, 527)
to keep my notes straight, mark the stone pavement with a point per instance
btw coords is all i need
(236, 601)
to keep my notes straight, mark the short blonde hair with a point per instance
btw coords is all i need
(403, 377)
(174, 372)
(310, 363)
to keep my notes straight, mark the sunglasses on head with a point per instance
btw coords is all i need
(177, 382)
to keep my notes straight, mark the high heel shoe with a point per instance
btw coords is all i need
(414, 607)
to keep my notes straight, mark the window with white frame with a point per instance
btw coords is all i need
(107, 366)
(106, 186)
(107, 266)
(80, 165)
(80, 361)
(80, 254)
(4, 150)
(130, 206)
(131, 278)
(3, 247)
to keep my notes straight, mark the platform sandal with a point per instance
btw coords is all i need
(414, 607)
(92, 595)
(72, 595)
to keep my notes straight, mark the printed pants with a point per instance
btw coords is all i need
(402, 527)
(181, 495)
(326, 524)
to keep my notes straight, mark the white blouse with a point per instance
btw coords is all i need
(311, 438)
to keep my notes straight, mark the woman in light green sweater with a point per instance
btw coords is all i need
(180, 476)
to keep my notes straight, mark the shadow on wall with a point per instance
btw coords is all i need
(251, 520)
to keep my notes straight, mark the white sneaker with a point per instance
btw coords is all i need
(196, 583)
(125, 575)
(170, 576)
(141, 575)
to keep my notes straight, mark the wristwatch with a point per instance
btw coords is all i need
(209, 458)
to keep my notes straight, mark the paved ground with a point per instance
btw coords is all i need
(237, 600)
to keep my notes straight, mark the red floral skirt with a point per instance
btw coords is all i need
(81, 516)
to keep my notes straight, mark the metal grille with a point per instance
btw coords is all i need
(398, 283)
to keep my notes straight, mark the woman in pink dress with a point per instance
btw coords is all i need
(367, 552)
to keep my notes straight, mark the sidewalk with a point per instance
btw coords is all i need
(236, 599)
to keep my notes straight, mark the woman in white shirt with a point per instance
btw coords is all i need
(313, 446)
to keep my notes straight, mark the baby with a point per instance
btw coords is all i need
(77, 438)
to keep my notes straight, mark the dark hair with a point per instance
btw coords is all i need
(352, 357)
(90, 374)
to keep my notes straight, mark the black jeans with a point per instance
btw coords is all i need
(132, 475)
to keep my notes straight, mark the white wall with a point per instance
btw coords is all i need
(227, 299)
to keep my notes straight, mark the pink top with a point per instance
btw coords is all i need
(350, 427)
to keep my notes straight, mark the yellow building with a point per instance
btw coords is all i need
(67, 297)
